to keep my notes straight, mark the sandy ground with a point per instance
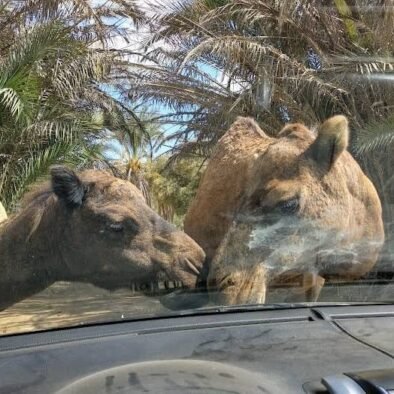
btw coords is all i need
(65, 304)
(69, 304)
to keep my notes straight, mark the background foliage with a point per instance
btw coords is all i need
(148, 90)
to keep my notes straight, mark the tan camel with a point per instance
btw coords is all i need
(92, 228)
(277, 209)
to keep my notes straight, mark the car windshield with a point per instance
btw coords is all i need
(192, 156)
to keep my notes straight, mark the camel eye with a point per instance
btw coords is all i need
(132, 226)
(289, 207)
(116, 227)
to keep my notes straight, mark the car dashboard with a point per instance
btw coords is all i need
(278, 349)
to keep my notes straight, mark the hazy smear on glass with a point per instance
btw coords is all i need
(293, 243)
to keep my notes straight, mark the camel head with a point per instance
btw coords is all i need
(298, 203)
(106, 234)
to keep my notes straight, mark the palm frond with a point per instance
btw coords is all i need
(377, 135)
(10, 99)
(30, 170)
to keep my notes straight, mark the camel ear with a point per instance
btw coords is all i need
(67, 186)
(331, 141)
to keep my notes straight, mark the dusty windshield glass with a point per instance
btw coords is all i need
(162, 157)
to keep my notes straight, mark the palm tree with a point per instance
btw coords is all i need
(131, 140)
(167, 186)
(173, 186)
(55, 77)
(38, 122)
(210, 61)
(90, 21)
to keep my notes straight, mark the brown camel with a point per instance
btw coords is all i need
(279, 209)
(94, 228)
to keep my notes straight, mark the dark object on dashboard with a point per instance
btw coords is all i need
(366, 382)
(379, 381)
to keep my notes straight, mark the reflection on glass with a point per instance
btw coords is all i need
(150, 167)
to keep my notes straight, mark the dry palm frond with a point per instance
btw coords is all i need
(259, 48)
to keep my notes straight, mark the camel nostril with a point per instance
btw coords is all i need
(225, 282)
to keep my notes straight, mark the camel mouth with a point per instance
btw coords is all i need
(156, 287)
(188, 271)
(239, 287)
(183, 272)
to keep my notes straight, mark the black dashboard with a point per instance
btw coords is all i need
(319, 349)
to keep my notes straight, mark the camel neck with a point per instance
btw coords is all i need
(28, 258)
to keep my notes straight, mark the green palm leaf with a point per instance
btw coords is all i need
(377, 135)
